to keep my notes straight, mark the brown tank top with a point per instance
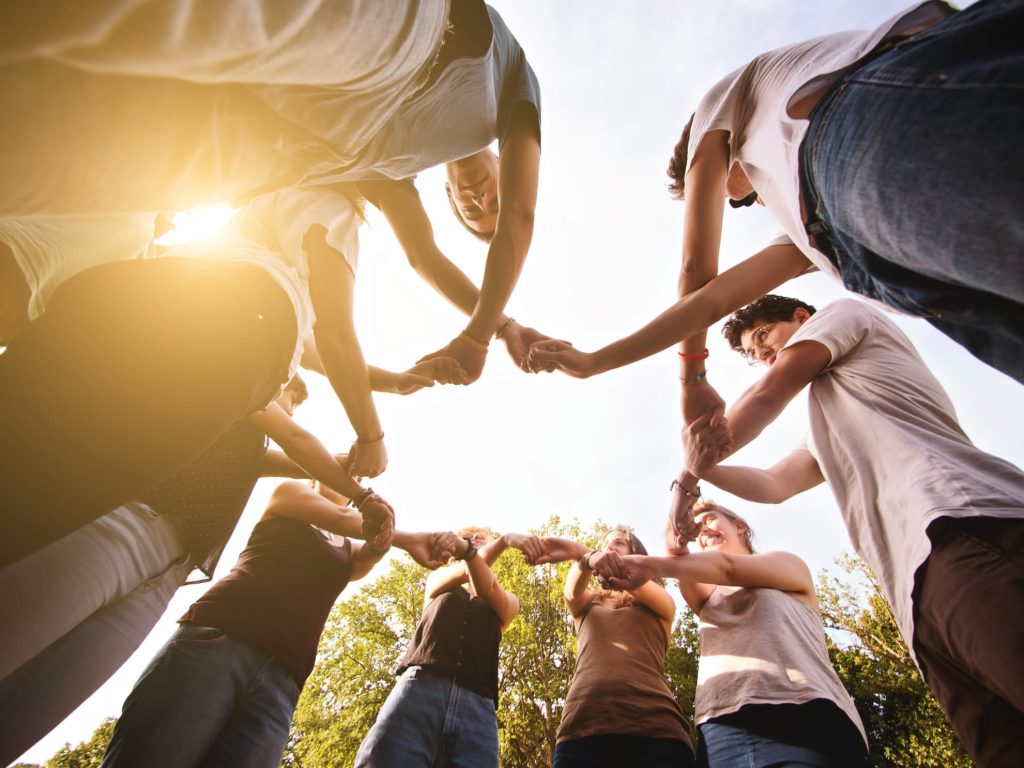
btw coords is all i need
(619, 687)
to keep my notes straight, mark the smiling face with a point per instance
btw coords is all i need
(722, 533)
(473, 191)
(763, 342)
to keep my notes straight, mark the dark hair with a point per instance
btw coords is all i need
(298, 389)
(707, 505)
(636, 547)
(768, 309)
(677, 163)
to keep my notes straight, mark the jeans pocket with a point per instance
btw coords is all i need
(195, 635)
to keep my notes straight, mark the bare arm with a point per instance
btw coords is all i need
(486, 586)
(374, 521)
(775, 570)
(331, 292)
(308, 453)
(363, 560)
(693, 313)
(277, 464)
(797, 472)
(445, 578)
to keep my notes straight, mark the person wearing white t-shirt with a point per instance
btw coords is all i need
(938, 519)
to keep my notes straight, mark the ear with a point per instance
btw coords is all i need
(801, 315)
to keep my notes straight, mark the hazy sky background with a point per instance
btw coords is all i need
(619, 80)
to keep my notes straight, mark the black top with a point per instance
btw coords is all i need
(280, 592)
(458, 637)
(209, 494)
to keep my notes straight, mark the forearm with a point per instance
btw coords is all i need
(312, 458)
(748, 483)
(277, 464)
(347, 371)
(364, 560)
(699, 567)
(696, 311)
(504, 263)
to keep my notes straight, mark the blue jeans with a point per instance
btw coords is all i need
(206, 700)
(912, 165)
(616, 751)
(428, 721)
(817, 734)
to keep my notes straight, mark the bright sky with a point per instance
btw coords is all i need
(619, 80)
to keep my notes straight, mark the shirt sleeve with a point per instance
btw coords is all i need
(519, 87)
(298, 209)
(841, 326)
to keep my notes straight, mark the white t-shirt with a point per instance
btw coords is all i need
(752, 104)
(51, 250)
(887, 440)
(269, 232)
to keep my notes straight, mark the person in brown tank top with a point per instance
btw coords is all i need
(619, 710)
(767, 693)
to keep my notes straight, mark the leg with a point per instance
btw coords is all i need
(42, 692)
(184, 700)
(470, 732)
(910, 158)
(408, 730)
(50, 593)
(968, 651)
(256, 734)
(184, 347)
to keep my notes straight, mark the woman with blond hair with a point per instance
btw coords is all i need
(766, 692)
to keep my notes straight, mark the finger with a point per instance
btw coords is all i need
(716, 415)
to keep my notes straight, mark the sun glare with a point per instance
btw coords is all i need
(195, 223)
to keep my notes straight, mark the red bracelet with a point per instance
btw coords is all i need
(693, 358)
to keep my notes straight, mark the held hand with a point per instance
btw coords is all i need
(470, 358)
(531, 546)
(607, 565)
(680, 515)
(443, 370)
(635, 573)
(367, 459)
(703, 445)
(518, 341)
(675, 544)
(699, 399)
(558, 550)
(404, 383)
(378, 526)
(560, 355)
(431, 550)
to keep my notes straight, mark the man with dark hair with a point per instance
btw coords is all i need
(938, 519)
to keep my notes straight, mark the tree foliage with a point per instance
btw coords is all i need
(88, 754)
(905, 727)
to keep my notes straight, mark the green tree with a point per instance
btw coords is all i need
(88, 754)
(905, 727)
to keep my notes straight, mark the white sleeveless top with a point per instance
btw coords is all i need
(763, 646)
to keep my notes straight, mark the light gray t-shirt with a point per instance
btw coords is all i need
(887, 440)
(468, 107)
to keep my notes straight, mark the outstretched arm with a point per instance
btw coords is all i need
(331, 291)
(444, 579)
(776, 570)
(300, 502)
(519, 165)
(692, 314)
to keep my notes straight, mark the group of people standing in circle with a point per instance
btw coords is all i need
(139, 382)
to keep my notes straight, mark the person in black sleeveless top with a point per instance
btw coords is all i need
(224, 688)
(442, 710)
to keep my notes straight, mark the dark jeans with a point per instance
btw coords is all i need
(816, 733)
(135, 369)
(207, 700)
(912, 165)
(613, 751)
(968, 632)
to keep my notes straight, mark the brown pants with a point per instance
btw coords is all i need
(969, 632)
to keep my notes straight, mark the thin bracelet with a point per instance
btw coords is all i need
(479, 346)
(694, 358)
(360, 441)
(503, 328)
(584, 560)
(697, 378)
(361, 499)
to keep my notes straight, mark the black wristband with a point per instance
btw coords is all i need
(471, 550)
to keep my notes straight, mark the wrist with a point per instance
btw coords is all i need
(507, 324)
(584, 560)
(375, 552)
(474, 340)
(687, 485)
(401, 539)
(690, 379)
(357, 501)
(468, 551)
(370, 437)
